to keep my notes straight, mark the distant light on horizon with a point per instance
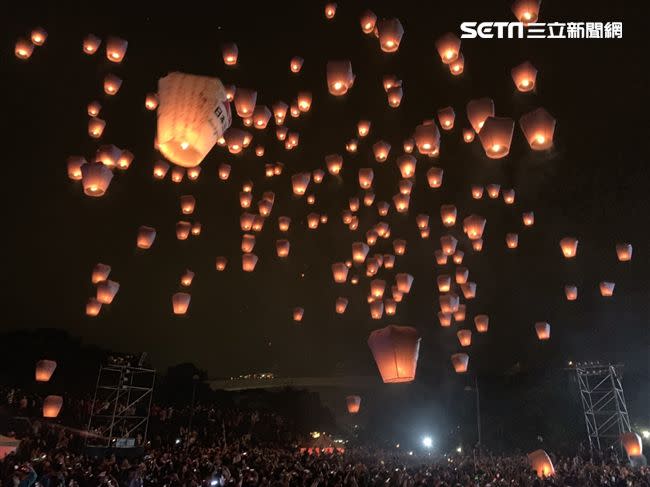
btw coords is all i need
(427, 442)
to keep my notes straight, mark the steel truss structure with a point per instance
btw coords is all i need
(603, 403)
(119, 416)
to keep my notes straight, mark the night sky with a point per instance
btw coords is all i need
(593, 184)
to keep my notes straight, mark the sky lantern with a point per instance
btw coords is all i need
(341, 305)
(93, 109)
(408, 145)
(389, 261)
(245, 100)
(458, 257)
(496, 136)
(468, 135)
(221, 263)
(624, 252)
(353, 404)
(180, 303)
(632, 444)
(434, 177)
(247, 243)
(160, 169)
(304, 101)
(93, 307)
(444, 283)
(469, 290)
(571, 292)
(526, 11)
(477, 191)
(230, 91)
(377, 288)
(366, 175)
(334, 163)
(607, 288)
(493, 190)
(441, 257)
(459, 314)
(427, 138)
(448, 215)
(192, 115)
(178, 173)
(193, 173)
(298, 313)
(524, 76)
(368, 20)
(112, 84)
(125, 160)
(279, 112)
(96, 127)
(100, 273)
(538, 127)
(381, 149)
(245, 199)
(108, 154)
(543, 330)
(339, 77)
(394, 95)
(295, 65)
(106, 291)
(261, 116)
(474, 225)
(294, 110)
(528, 218)
(464, 337)
(339, 272)
(235, 140)
(512, 240)
(146, 236)
(390, 307)
(151, 101)
(478, 111)
(376, 310)
(330, 10)
(448, 302)
(444, 319)
(422, 221)
(95, 177)
(462, 274)
(313, 219)
(457, 67)
(460, 361)
(359, 252)
(248, 262)
(230, 53)
(539, 460)
(346, 216)
(477, 244)
(91, 43)
(404, 282)
(265, 206)
(482, 322)
(448, 244)
(352, 145)
(406, 164)
(52, 406)
(508, 196)
(405, 186)
(299, 183)
(448, 46)
(395, 350)
(44, 370)
(188, 202)
(187, 277)
(401, 202)
(317, 175)
(397, 294)
(569, 246)
(196, 229)
(390, 81)
(224, 171)
(283, 223)
(390, 32)
(74, 164)
(399, 246)
(116, 49)
(382, 208)
(363, 127)
(368, 198)
(183, 229)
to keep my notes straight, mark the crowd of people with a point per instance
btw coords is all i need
(250, 448)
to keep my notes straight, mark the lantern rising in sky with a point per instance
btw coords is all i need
(390, 32)
(496, 136)
(448, 46)
(524, 76)
(538, 127)
(339, 77)
(395, 349)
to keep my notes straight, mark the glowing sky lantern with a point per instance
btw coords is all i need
(304, 101)
(448, 302)
(93, 307)
(363, 127)
(368, 198)
(187, 277)
(512, 240)
(478, 111)
(220, 263)
(606, 288)
(477, 244)
(146, 236)
(508, 196)
(474, 225)
(395, 350)
(300, 182)
(91, 43)
(180, 303)
(366, 175)
(353, 403)
(448, 244)
(52, 406)
(313, 220)
(249, 261)
(116, 49)
(382, 208)
(294, 110)
(459, 314)
(493, 190)
(441, 257)
(377, 288)
(95, 177)
(446, 118)
(448, 46)
(394, 95)
(183, 229)
(192, 115)
(44, 370)
(381, 149)
(193, 173)
(427, 138)
(444, 283)
(543, 330)
(298, 313)
(632, 444)
(125, 160)
(496, 136)
(401, 202)
(389, 261)
(434, 177)
(235, 139)
(406, 164)
(295, 65)
(245, 100)
(528, 218)
(368, 20)
(462, 274)
(482, 322)
(151, 101)
(457, 67)
(247, 243)
(404, 281)
(283, 223)
(261, 116)
(422, 221)
(245, 199)
(188, 202)
(526, 11)
(399, 246)
(539, 460)
(468, 135)
(196, 229)
(458, 257)
(624, 252)
(352, 145)
(571, 292)
(224, 171)
(359, 252)
(390, 307)
(341, 305)
(108, 154)
(280, 112)
(330, 10)
(96, 127)
(538, 127)
(477, 191)
(569, 246)
(524, 76)
(74, 164)
(444, 319)
(339, 272)
(230, 53)
(448, 215)
(339, 77)
(390, 32)
(93, 108)
(464, 337)
(408, 145)
(460, 361)
(106, 291)
(376, 310)
(100, 273)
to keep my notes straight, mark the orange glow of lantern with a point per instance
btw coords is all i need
(116, 49)
(434, 177)
(448, 215)
(52, 406)
(353, 404)
(299, 183)
(474, 225)
(446, 118)
(524, 76)
(93, 109)
(74, 164)
(444, 283)
(261, 116)
(624, 252)
(538, 127)
(297, 314)
(196, 229)
(459, 314)
(100, 273)
(377, 288)
(469, 290)
(448, 46)
(341, 305)
(381, 149)
(249, 261)
(406, 164)
(395, 350)
(395, 95)
(457, 67)
(245, 199)
(464, 337)
(607, 288)
(151, 101)
(376, 310)
(401, 202)
(330, 10)
(390, 307)
(339, 77)
(295, 65)
(95, 177)
(96, 127)
(187, 277)
(399, 246)
(460, 361)
(508, 196)
(44, 370)
(543, 330)
(569, 246)
(193, 173)
(477, 244)
(482, 323)
(339, 272)
(106, 291)
(632, 444)
(188, 202)
(404, 282)
(441, 257)
(448, 244)
(221, 263)
(496, 136)
(112, 84)
(146, 236)
(458, 257)
(571, 292)
(245, 101)
(304, 101)
(382, 208)
(390, 32)
(468, 135)
(366, 175)
(363, 127)
(512, 240)
(427, 138)
(91, 43)
(448, 303)
(462, 274)
(444, 319)
(359, 252)
(180, 303)
(183, 229)
(528, 218)
(493, 190)
(368, 21)
(160, 169)
(422, 221)
(539, 460)
(125, 160)
(526, 11)
(478, 111)
(230, 53)
(93, 307)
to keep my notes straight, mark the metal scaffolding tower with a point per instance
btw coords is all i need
(119, 417)
(603, 403)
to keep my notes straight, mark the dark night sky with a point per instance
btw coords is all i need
(593, 185)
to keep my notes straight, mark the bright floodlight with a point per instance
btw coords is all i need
(427, 441)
